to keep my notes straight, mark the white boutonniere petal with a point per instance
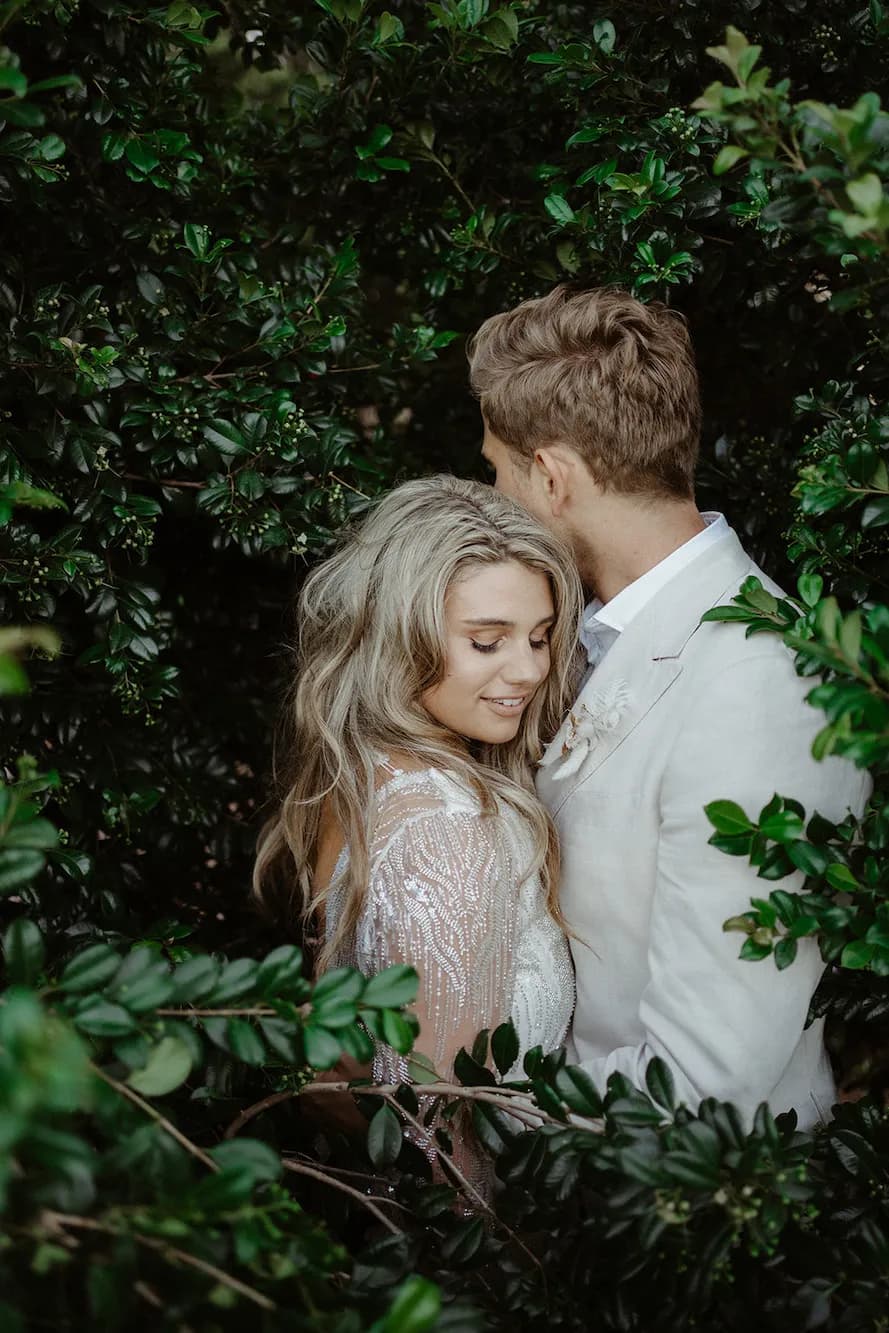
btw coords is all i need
(584, 728)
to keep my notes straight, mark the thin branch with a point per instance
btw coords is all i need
(505, 1098)
(301, 1169)
(148, 1294)
(468, 1189)
(165, 481)
(53, 1221)
(260, 1011)
(353, 370)
(443, 167)
(366, 1176)
(257, 1109)
(165, 1124)
(354, 489)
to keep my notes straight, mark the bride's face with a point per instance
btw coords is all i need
(497, 654)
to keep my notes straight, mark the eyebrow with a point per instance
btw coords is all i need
(493, 622)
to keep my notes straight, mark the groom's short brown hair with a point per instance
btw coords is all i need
(602, 372)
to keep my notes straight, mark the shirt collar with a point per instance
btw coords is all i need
(627, 604)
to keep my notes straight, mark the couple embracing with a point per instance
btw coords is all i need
(505, 788)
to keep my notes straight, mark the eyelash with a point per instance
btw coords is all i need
(538, 644)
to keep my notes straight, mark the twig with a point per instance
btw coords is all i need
(495, 1096)
(165, 1124)
(352, 370)
(257, 1109)
(365, 1176)
(148, 1294)
(468, 1189)
(354, 489)
(165, 481)
(442, 166)
(301, 1169)
(53, 1220)
(261, 1011)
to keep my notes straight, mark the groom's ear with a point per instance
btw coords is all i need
(555, 469)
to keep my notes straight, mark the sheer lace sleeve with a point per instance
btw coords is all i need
(443, 898)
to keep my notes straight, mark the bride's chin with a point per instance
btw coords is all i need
(500, 735)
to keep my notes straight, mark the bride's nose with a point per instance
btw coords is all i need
(526, 666)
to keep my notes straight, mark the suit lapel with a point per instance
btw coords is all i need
(618, 695)
(637, 671)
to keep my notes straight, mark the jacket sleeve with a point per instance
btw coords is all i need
(728, 1028)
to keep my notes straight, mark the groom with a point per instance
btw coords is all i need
(592, 416)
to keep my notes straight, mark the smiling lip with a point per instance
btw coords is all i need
(507, 705)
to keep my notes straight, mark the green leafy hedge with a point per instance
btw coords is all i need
(240, 250)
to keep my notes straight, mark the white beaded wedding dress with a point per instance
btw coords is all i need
(448, 894)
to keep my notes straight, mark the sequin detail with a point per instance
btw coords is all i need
(446, 896)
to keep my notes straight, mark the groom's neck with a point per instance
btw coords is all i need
(618, 538)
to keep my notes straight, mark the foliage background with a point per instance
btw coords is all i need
(240, 252)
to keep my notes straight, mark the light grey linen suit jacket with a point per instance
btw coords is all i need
(709, 715)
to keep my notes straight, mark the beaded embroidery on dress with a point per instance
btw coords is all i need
(446, 896)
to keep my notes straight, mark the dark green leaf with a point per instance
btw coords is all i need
(194, 978)
(321, 1047)
(504, 1047)
(23, 952)
(558, 207)
(728, 818)
(659, 1082)
(257, 1159)
(168, 1066)
(752, 951)
(90, 969)
(785, 952)
(415, 1308)
(384, 1137)
(470, 1073)
(280, 971)
(393, 987)
(811, 860)
(634, 1111)
(399, 1030)
(100, 1018)
(578, 1091)
(857, 954)
(480, 1047)
(244, 1042)
(236, 979)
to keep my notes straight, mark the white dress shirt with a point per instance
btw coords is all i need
(604, 622)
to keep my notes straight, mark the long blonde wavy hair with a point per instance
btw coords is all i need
(371, 641)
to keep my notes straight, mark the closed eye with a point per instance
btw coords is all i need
(537, 644)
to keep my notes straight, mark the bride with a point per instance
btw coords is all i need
(436, 648)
